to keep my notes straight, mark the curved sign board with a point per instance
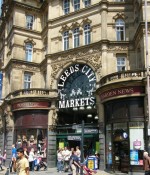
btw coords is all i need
(76, 86)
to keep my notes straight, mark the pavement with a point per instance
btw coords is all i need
(50, 171)
(53, 171)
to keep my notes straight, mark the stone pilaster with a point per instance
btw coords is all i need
(101, 133)
(51, 152)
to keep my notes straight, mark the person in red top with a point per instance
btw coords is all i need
(146, 163)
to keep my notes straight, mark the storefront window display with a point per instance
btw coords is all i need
(32, 138)
(136, 130)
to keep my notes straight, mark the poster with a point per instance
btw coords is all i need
(61, 144)
(134, 157)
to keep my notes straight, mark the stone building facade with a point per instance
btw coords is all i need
(61, 55)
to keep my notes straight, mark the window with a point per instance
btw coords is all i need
(76, 37)
(87, 3)
(121, 63)
(28, 50)
(120, 30)
(76, 4)
(29, 21)
(27, 80)
(87, 34)
(66, 40)
(66, 6)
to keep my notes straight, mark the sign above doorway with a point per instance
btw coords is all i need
(76, 86)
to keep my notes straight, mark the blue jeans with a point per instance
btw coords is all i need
(59, 165)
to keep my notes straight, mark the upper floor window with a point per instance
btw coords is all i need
(66, 40)
(29, 21)
(87, 3)
(121, 63)
(66, 6)
(120, 30)
(29, 52)
(76, 4)
(87, 34)
(76, 37)
(27, 80)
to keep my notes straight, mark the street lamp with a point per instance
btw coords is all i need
(147, 64)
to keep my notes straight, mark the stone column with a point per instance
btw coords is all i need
(52, 152)
(101, 133)
(9, 132)
(104, 19)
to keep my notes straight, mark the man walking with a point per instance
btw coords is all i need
(21, 164)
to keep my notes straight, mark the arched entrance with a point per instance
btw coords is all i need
(76, 103)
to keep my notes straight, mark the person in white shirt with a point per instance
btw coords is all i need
(66, 154)
(31, 159)
(60, 161)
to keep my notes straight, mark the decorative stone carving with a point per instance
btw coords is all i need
(118, 48)
(120, 15)
(9, 118)
(25, 67)
(1, 124)
(52, 118)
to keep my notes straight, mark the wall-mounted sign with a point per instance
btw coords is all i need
(77, 138)
(76, 86)
(31, 105)
(121, 91)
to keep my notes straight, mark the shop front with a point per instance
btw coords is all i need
(125, 128)
(30, 126)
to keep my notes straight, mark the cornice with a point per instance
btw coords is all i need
(21, 64)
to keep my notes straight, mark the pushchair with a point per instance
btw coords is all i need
(86, 170)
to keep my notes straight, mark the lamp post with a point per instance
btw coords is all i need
(82, 145)
(147, 64)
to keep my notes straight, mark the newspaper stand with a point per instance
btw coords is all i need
(92, 163)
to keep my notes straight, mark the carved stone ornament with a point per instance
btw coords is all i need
(118, 48)
(120, 15)
(9, 118)
(87, 55)
(1, 124)
(25, 67)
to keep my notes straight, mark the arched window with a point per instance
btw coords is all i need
(120, 30)
(66, 40)
(28, 52)
(76, 37)
(87, 34)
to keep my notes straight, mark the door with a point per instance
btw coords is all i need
(121, 151)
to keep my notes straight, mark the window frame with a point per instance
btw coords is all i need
(120, 29)
(76, 37)
(66, 40)
(88, 3)
(66, 10)
(121, 66)
(76, 5)
(29, 22)
(87, 34)
(28, 52)
(27, 80)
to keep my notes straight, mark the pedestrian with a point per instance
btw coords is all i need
(146, 163)
(4, 157)
(59, 161)
(31, 159)
(78, 152)
(20, 164)
(74, 163)
(66, 154)
(13, 155)
(1, 160)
